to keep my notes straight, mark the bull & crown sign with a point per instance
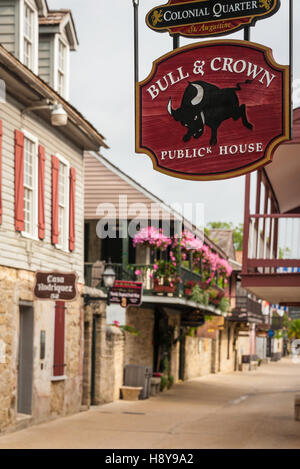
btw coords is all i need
(213, 110)
(203, 18)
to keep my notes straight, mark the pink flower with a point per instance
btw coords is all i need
(155, 267)
(137, 272)
(116, 323)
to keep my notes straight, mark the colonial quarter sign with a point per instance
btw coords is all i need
(213, 110)
(204, 18)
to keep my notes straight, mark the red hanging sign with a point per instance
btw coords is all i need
(213, 110)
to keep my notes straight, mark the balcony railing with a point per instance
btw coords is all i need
(145, 273)
(272, 244)
(245, 304)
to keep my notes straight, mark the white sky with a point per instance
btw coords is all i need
(102, 85)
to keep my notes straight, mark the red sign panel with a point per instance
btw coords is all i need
(126, 293)
(56, 286)
(206, 18)
(213, 110)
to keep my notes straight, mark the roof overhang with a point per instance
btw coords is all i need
(63, 22)
(28, 89)
(281, 289)
(180, 304)
(284, 171)
(42, 7)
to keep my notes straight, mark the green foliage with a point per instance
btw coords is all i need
(164, 381)
(224, 305)
(130, 329)
(166, 366)
(191, 332)
(170, 381)
(284, 253)
(238, 232)
(294, 329)
(200, 296)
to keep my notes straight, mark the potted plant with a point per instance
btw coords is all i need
(170, 381)
(165, 276)
(188, 288)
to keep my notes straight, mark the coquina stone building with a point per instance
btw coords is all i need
(162, 319)
(42, 140)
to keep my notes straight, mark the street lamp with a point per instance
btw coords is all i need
(109, 277)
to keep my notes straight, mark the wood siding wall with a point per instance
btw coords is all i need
(46, 57)
(9, 14)
(16, 250)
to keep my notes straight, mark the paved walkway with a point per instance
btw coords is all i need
(237, 410)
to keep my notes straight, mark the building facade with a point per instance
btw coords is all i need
(42, 140)
(171, 336)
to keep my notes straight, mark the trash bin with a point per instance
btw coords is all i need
(139, 375)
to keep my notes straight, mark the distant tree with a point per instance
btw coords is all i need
(294, 329)
(238, 231)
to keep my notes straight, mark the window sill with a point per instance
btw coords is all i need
(58, 378)
(29, 236)
(60, 248)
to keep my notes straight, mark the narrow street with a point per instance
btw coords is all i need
(238, 410)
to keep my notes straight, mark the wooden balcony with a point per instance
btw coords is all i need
(271, 257)
(176, 295)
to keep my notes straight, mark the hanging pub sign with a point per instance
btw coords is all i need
(206, 18)
(213, 110)
(192, 318)
(126, 293)
(56, 286)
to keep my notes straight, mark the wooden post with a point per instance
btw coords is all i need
(125, 244)
(246, 224)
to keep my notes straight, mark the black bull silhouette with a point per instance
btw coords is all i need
(206, 104)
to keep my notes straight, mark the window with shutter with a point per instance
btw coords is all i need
(61, 202)
(30, 185)
(19, 181)
(72, 209)
(41, 201)
(59, 340)
(55, 174)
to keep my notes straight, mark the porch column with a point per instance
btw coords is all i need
(125, 243)
(252, 339)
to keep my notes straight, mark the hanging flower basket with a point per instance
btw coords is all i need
(164, 288)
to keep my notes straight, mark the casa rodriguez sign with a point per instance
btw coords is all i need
(56, 286)
(204, 18)
(213, 110)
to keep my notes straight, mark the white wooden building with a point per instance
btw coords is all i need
(42, 140)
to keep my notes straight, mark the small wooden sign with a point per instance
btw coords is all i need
(213, 110)
(192, 318)
(208, 18)
(56, 286)
(126, 293)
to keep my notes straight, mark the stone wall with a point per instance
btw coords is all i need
(139, 349)
(228, 349)
(198, 357)
(174, 321)
(49, 398)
